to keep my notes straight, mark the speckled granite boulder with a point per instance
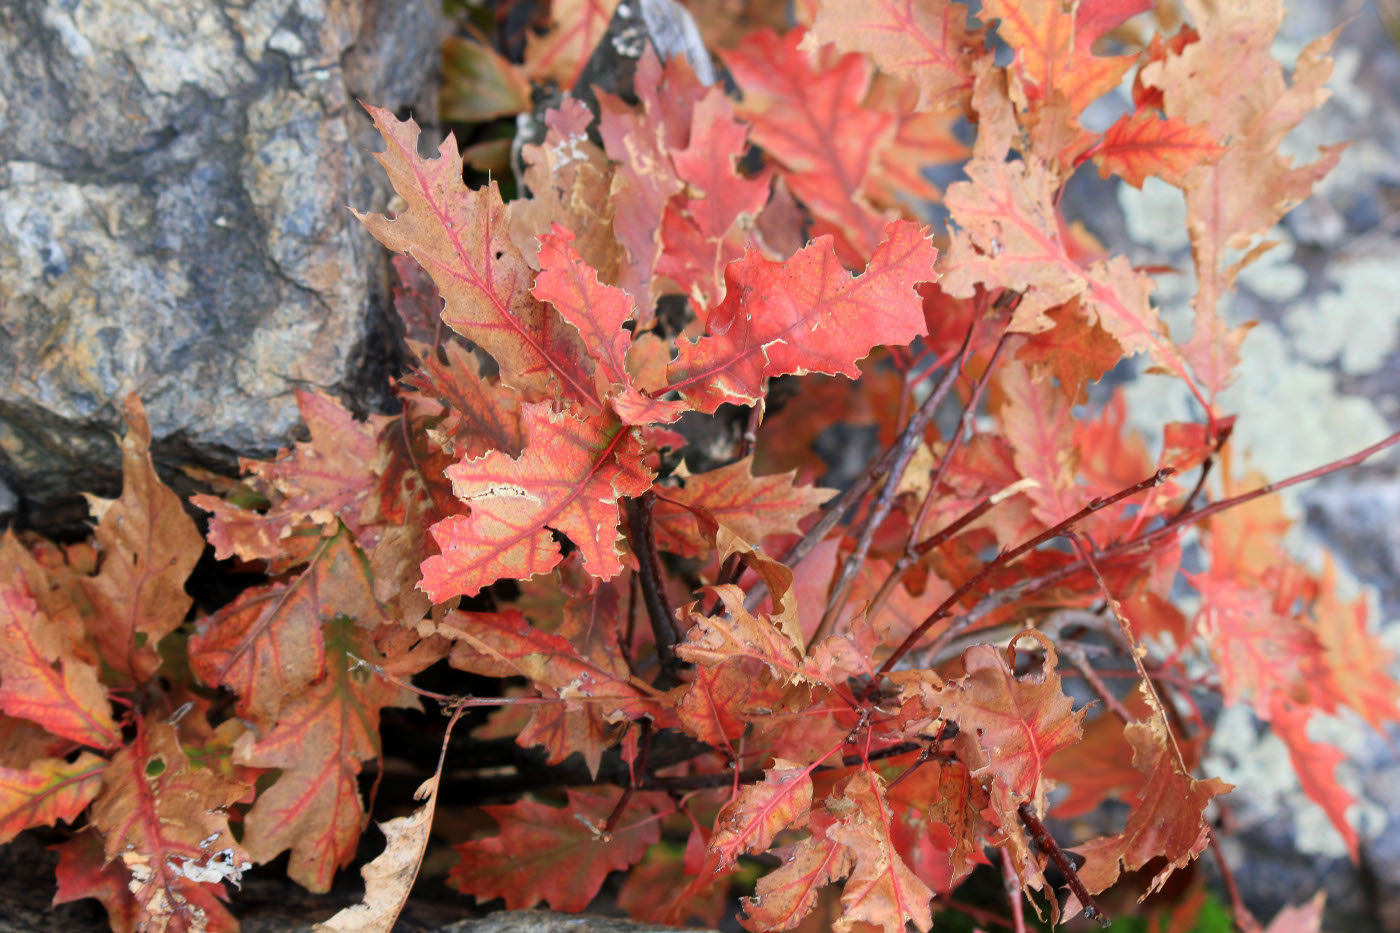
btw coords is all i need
(174, 177)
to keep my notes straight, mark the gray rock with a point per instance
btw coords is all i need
(541, 921)
(174, 178)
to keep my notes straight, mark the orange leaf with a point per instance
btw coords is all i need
(748, 823)
(1167, 819)
(645, 179)
(1052, 44)
(752, 507)
(317, 745)
(721, 701)
(477, 416)
(928, 43)
(712, 640)
(41, 680)
(1010, 236)
(329, 479)
(703, 228)
(882, 889)
(165, 821)
(267, 645)
(811, 118)
(150, 546)
(504, 644)
(1316, 766)
(1226, 78)
(83, 871)
(599, 312)
(556, 854)
(786, 895)
(805, 315)
(1038, 422)
(568, 478)
(1142, 144)
(462, 237)
(47, 791)
(1009, 726)
(576, 27)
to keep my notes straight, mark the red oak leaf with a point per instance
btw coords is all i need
(47, 791)
(645, 179)
(575, 28)
(882, 889)
(703, 229)
(731, 497)
(329, 479)
(165, 821)
(559, 855)
(318, 743)
(1038, 422)
(1253, 184)
(462, 237)
(1009, 726)
(267, 646)
(1316, 766)
(721, 701)
(1167, 819)
(477, 416)
(736, 633)
(811, 118)
(1053, 46)
(787, 894)
(1076, 352)
(505, 644)
(749, 822)
(22, 742)
(805, 315)
(1010, 236)
(150, 546)
(928, 43)
(1357, 663)
(40, 678)
(599, 312)
(1259, 650)
(568, 479)
(83, 871)
(1142, 144)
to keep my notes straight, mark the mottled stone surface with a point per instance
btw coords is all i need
(174, 177)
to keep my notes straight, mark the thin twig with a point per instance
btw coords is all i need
(663, 624)
(1112, 703)
(912, 546)
(1050, 847)
(1243, 918)
(1012, 885)
(1147, 539)
(905, 447)
(1134, 646)
(1221, 436)
(1006, 557)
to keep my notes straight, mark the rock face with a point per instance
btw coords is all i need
(174, 178)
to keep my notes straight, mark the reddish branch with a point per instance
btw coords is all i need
(1047, 844)
(663, 624)
(1005, 557)
(912, 547)
(904, 449)
(1150, 538)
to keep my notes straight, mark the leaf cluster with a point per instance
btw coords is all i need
(865, 692)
